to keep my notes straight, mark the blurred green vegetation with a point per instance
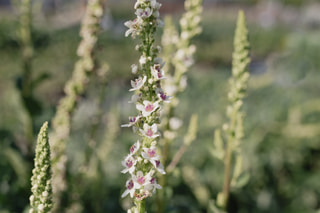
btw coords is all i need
(282, 122)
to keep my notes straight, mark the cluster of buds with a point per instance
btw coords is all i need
(143, 162)
(41, 198)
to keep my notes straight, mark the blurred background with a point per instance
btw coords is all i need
(282, 123)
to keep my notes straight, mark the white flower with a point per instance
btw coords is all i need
(147, 108)
(138, 83)
(131, 188)
(150, 131)
(183, 82)
(155, 5)
(134, 69)
(152, 185)
(185, 57)
(157, 72)
(41, 207)
(170, 86)
(133, 210)
(140, 180)
(158, 166)
(142, 60)
(180, 54)
(133, 26)
(129, 164)
(162, 96)
(135, 98)
(185, 35)
(135, 147)
(150, 154)
(132, 121)
(144, 13)
(175, 123)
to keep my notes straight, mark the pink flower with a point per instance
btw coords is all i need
(158, 166)
(132, 121)
(144, 13)
(147, 108)
(138, 83)
(140, 179)
(157, 72)
(150, 154)
(131, 188)
(162, 96)
(135, 147)
(150, 131)
(129, 164)
(152, 185)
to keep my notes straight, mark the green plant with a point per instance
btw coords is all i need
(234, 176)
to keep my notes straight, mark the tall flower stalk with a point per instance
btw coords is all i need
(143, 161)
(178, 52)
(85, 65)
(41, 200)
(234, 128)
(25, 7)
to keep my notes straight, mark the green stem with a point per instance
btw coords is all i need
(227, 161)
(27, 55)
(227, 167)
(141, 206)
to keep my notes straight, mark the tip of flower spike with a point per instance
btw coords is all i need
(44, 126)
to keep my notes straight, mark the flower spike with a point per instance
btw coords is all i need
(143, 161)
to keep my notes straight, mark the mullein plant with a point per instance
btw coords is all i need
(143, 161)
(230, 152)
(178, 52)
(41, 198)
(75, 87)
